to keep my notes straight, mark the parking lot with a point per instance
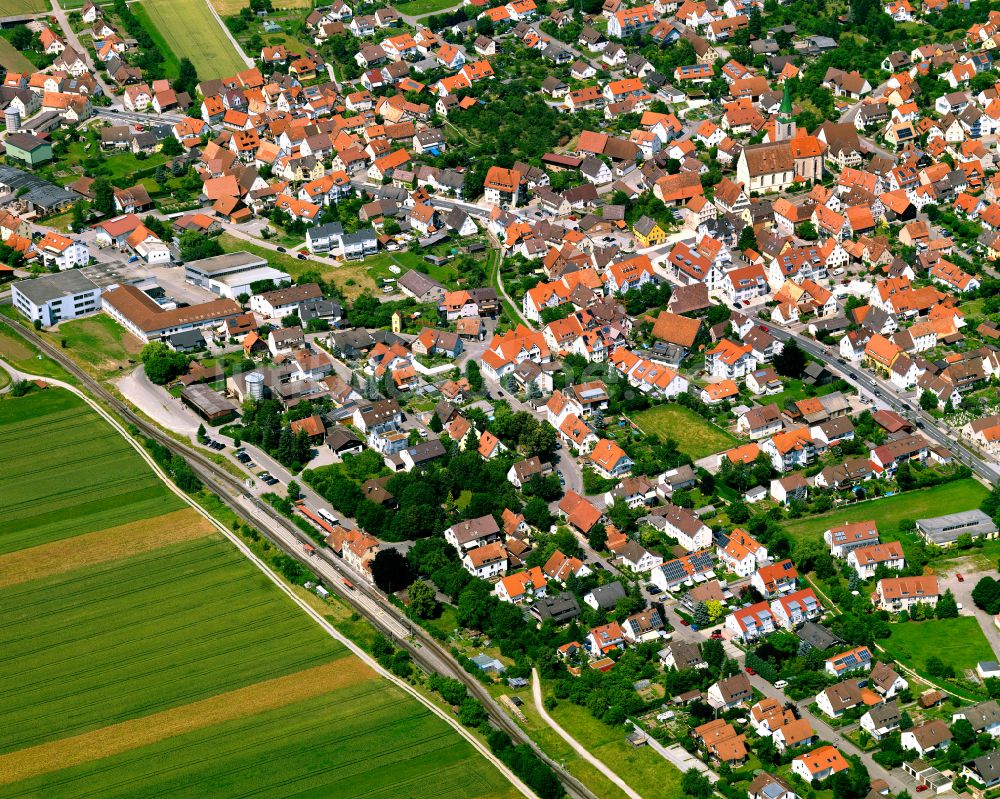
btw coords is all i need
(170, 277)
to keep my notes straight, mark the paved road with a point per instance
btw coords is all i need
(896, 779)
(74, 41)
(888, 394)
(580, 749)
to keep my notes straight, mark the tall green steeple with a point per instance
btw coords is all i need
(784, 124)
(786, 102)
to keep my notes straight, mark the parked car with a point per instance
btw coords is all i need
(748, 670)
(685, 622)
(959, 577)
(781, 684)
(281, 249)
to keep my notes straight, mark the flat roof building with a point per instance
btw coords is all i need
(232, 274)
(208, 403)
(944, 530)
(54, 298)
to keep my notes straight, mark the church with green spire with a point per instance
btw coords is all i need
(784, 123)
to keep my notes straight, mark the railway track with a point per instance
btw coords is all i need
(425, 651)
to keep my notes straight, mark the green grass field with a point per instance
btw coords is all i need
(959, 643)
(887, 512)
(98, 343)
(417, 8)
(694, 435)
(22, 355)
(190, 29)
(67, 474)
(171, 63)
(180, 670)
(642, 769)
(133, 637)
(13, 59)
(9, 8)
(371, 741)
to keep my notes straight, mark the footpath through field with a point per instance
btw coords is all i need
(580, 749)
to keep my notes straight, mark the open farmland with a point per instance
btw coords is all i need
(154, 659)
(66, 474)
(364, 740)
(13, 59)
(9, 8)
(191, 30)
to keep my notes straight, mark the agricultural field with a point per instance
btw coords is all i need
(66, 474)
(887, 512)
(227, 8)
(13, 59)
(959, 643)
(695, 436)
(9, 8)
(191, 30)
(418, 8)
(144, 655)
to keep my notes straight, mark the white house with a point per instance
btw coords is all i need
(54, 298)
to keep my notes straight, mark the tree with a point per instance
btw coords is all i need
(194, 245)
(81, 212)
(963, 734)
(597, 537)
(171, 147)
(422, 600)
(790, 361)
(104, 196)
(293, 490)
(928, 400)
(947, 607)
(484, 26)
(696, 784)
(986, 595)
(20, 38)
(435, 423)
(187, 77)
(537, 514)
(391, 571)
(473, 375)
(201, 435)
(701, 615)
(161, 363)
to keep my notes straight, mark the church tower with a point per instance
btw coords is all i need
(784, 123)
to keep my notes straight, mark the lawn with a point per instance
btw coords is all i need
(98, 343)
(695, 436)
(66, 475)
(887, 512)
(191, 29)
(642, 769)
(13, 59)
(353, 278)
(417, 8)
(370, 740)
(959, 643)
